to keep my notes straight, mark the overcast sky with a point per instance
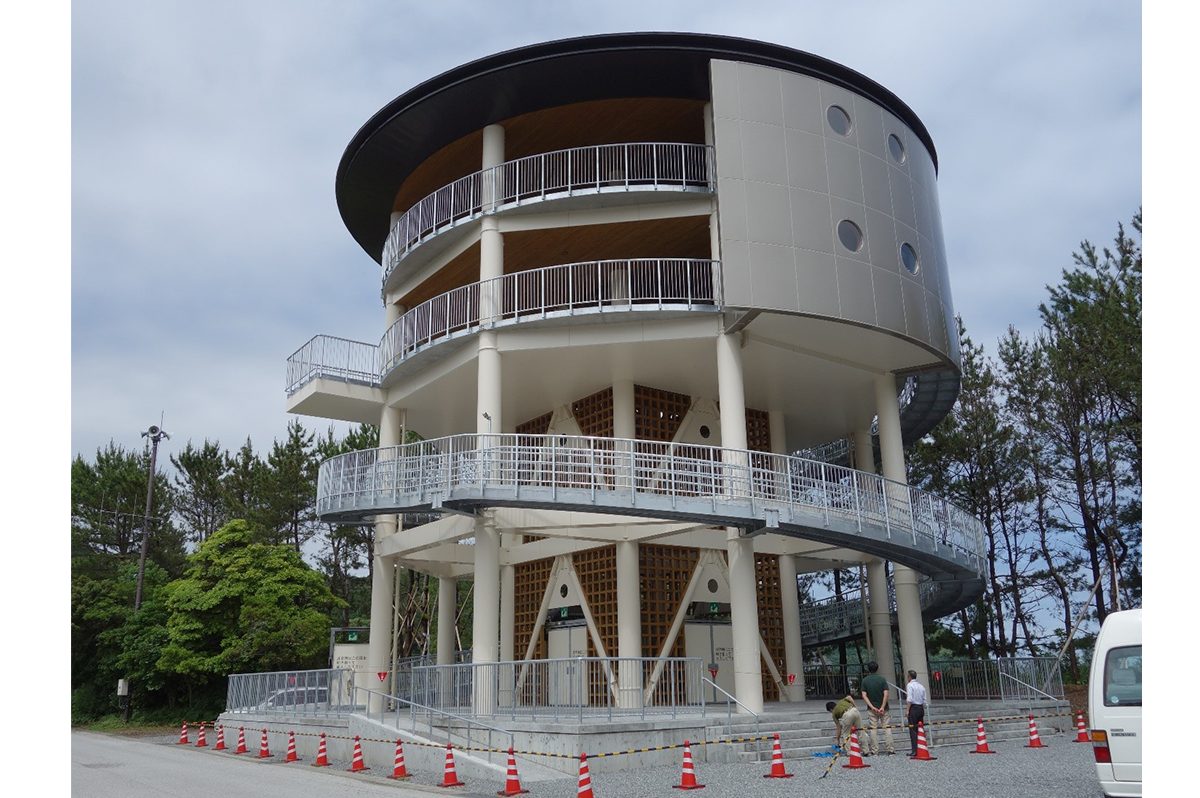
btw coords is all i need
(207, 245)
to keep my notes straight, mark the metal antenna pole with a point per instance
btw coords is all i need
(155, 434)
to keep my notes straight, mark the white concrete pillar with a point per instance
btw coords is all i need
(508, 597)
(743, 595)
(485, 633)
(629, 624)
(624, 418)
(379, 646)
(908, 601)
(879, 613)
(493, 155)
(793, 651)
(447, 612)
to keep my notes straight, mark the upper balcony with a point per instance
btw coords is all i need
(664, 286)
(627, 170)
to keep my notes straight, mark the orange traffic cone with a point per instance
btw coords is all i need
(856, 760)
(220, 746)
(922, 747)
(322, 756)
(1081, 732)
(399, 771)
(450, 778)
(777, 769)
(263, 751)
(201, 742)
(512, 784)
(357, 764)
(183, 737)
(584, 790)
(241, 746)
(1034, 740)
(981, 746)
(291, 752)
(688, 779)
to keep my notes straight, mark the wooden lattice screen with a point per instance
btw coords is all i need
(770, 619)
(658, 413)
(758, 430)
(664, 575)
(535, 426)
(597, 571)
(594, 414)
(531, 578)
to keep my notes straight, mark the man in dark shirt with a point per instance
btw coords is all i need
(875, 693)
(845, 717)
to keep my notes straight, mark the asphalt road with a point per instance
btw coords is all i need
(104, 766)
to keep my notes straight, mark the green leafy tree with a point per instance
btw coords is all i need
(245, 606)
(199, 489)
(244, 485)
(290, 488)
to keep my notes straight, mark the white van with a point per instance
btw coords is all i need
(1115, 704)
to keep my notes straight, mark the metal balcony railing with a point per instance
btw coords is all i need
(573, 289)
(563, 173)
(565, 290)
(335, 358)
(725, 486)
(832, 618)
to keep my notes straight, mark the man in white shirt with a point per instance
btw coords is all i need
(917, 698)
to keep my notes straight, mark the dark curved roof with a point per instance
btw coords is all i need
(467, 98)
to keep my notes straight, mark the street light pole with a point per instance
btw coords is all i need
(155, 434)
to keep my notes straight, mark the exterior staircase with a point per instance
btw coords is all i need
(807, 729)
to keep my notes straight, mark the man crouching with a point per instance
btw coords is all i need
(845, 717)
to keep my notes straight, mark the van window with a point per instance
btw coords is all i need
(1123, 677)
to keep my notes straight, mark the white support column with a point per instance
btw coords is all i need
(485, 633)
(508, 594)
(629, 593)
(447, 613)
(629, 624)
(747, 662)
(879, 613)
(908, 600)
(792, 649)
(379, 646)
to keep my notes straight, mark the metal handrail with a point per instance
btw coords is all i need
(413, 707)
(329, 356)
(569, 289)
(1031, 687)
(642, 166)
(656, 477)
(729, 706)
(565, 289)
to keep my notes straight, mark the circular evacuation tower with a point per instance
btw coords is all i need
(666, 309)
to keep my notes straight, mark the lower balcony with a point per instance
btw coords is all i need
(756, 491)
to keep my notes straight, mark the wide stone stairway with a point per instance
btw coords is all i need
(805, 729)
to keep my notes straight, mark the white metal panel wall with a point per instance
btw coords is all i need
(786, 178)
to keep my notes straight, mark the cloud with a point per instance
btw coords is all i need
(207, 245)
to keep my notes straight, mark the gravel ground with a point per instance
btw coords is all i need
(1064, 769)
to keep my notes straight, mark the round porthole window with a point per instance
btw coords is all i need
(908, 256)
(562, 591)
(712, 585)
(839, 120)
(850, 235)
(896, 148)
(705, 431)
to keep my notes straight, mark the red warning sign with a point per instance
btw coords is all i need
(382, 675)
(791, 679)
